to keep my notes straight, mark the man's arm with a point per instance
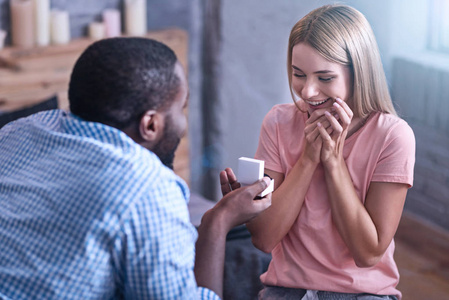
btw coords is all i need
(235, 208)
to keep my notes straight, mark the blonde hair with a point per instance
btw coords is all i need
(342, 34)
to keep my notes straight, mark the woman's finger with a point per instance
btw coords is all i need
(336, 126)
(317, 114)
(323, 133)
(344, 117)
(345, 107)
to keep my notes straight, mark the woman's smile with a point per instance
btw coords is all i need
(316, 80)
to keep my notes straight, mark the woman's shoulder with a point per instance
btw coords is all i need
(391, 126)
(390, 121)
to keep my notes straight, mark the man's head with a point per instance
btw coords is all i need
(135, 85)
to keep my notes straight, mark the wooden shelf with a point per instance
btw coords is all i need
(29, 76)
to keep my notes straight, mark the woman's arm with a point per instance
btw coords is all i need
(367, 229)
(272, 225)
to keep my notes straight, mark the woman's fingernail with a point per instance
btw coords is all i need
(318, 124)
(327, 113)
(338, 100)
(336, 104)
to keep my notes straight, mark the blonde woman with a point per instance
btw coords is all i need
(342, 161)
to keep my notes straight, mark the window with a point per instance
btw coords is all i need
(439, 26)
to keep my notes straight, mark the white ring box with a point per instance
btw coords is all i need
(251, 170)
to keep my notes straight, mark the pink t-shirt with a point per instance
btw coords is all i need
(313, 255)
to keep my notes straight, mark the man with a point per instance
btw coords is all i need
(87, 212)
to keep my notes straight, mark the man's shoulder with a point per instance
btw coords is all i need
(83, 156)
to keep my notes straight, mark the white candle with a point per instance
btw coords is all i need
(60, 27)
(22, 23)
(111, 20)
(2, 38)
(136, 17)
(42, 20)
(96, 31)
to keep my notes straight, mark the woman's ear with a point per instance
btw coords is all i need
(151, 126)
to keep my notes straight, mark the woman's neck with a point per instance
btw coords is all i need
(356, 124)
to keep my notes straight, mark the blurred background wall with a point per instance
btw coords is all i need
(237, 72)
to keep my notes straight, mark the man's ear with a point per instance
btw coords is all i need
(151, 126)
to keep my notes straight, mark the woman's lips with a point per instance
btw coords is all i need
(317, 104)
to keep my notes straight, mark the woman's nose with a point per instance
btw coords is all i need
(309, 90)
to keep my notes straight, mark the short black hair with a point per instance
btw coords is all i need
(115, 81)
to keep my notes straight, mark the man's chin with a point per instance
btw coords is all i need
(166, 148)
(167, 160)
(166, 157)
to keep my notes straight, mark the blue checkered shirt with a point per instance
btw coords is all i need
(86, 213)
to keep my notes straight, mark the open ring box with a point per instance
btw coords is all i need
(251, 170)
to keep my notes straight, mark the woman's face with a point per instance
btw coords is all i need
(318, 81)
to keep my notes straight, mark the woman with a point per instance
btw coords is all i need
(342, 162)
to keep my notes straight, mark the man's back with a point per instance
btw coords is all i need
(87, 213)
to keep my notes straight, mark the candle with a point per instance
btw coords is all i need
(22, 23)
(2, 38)
(136, 17)
(42, 20)
(60, 27)
(97, 31)
(111, 19)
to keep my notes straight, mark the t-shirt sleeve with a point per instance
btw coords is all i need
(268, 147)
(397, 158)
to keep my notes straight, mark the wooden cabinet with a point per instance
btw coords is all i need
(30, 76)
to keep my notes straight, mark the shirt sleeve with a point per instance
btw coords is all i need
(268, 147)
(397, 158)
(156, 247)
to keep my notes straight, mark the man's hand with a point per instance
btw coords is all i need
(238, 205)
(228, 181)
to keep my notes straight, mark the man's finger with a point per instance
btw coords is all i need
(232, 179)
(258, 187)
(263, 203)
(224, 182)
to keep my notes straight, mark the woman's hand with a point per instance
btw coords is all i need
(314, 142)
(333, 140)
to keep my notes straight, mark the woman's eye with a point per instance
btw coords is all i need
(325, 79)
(299, 75)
